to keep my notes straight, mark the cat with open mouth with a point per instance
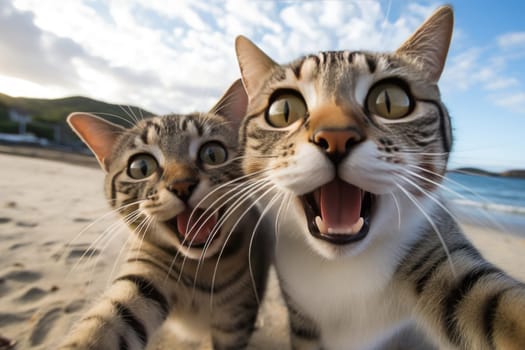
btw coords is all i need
(354, 144)
(195, 239)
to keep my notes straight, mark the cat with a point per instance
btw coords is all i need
(356, 144)
(196, 262)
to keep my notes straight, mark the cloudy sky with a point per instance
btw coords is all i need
(178, 56)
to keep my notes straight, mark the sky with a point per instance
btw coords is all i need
(178, 56)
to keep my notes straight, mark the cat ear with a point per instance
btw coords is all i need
(430, 42)
(232, 104)
(254, 63)
(98, 134)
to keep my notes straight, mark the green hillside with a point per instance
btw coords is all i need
(56, 110)
(48, 116)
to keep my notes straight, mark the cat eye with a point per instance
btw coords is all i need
(389, 100)
(213, 153)
(142, 166)
(285, 110)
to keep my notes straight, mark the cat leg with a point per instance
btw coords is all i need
(463, 300)
(128, 313)
(304, 334)
(232, 329)
(504, 318)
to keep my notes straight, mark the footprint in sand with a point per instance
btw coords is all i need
(7, 319)
(82, 220)
(19, 245)
(74, 306)
(84, 253)
(32, 294)
(27, 224)
(5, 220)
(3, 288)
(23, 276)
(44, 325)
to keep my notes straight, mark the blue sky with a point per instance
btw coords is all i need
(178, 56)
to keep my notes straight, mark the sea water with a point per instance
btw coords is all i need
(497, 202)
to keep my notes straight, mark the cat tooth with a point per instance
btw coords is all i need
(358, 225)
(321, 225)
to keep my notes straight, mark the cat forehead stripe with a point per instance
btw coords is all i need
(328, 59)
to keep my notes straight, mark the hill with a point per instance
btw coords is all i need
(515, 173)
(45, 118)
(56, 110)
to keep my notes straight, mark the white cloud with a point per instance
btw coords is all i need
(483, 68)
(513, 101)
(179, 56)
(511, 40)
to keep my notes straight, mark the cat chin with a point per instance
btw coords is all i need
(193, 252)
(331, 251)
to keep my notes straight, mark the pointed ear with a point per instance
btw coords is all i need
(430, 42)
(98, 134)
(233, 104)
(255, 65)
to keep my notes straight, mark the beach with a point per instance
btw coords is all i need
(60, 247)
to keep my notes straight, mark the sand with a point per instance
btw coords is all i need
(51, 213)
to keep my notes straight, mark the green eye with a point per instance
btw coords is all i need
(213, 153)
(389, 100)
(142, 166)
(285, 110)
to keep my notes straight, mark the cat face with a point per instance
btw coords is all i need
(342, 132)
(165, 174)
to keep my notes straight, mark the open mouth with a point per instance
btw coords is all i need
(338, 212)
(192, 228)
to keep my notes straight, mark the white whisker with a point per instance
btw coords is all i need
(431, 222)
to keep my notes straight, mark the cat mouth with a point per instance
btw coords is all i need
(194, 227)
(338, 212)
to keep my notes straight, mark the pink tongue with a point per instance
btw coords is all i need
(198, 229)
(340, 205)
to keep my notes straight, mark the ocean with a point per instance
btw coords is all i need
(497, 202)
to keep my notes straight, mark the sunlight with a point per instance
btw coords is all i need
(19, 87)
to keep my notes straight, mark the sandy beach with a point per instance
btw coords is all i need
(59, 248)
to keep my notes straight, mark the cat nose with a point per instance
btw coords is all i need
(337, 142)
(183, 188)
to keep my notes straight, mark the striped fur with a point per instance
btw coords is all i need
(211, 290)
(408, 266)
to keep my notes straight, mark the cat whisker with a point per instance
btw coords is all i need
(135, 117)
(96, 221)
(95, 243)
(142, 229)
(212, 207)
(214, 191)
(234, 206)
(129, 114)
(116, 116)
(252, 204)
(278, 217)
(432, 224)
(254, 232)
(459, 195)
(429, 195)
(239, 200)
(396, 203)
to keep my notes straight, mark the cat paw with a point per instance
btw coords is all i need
(508, 330)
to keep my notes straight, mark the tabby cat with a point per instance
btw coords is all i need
(356, 144)
(193, 261)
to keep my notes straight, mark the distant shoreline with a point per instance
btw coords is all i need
(49, 153)
(514, 173)
(75, 157)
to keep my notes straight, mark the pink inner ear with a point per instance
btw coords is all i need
(98, 134)
(233, 104)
